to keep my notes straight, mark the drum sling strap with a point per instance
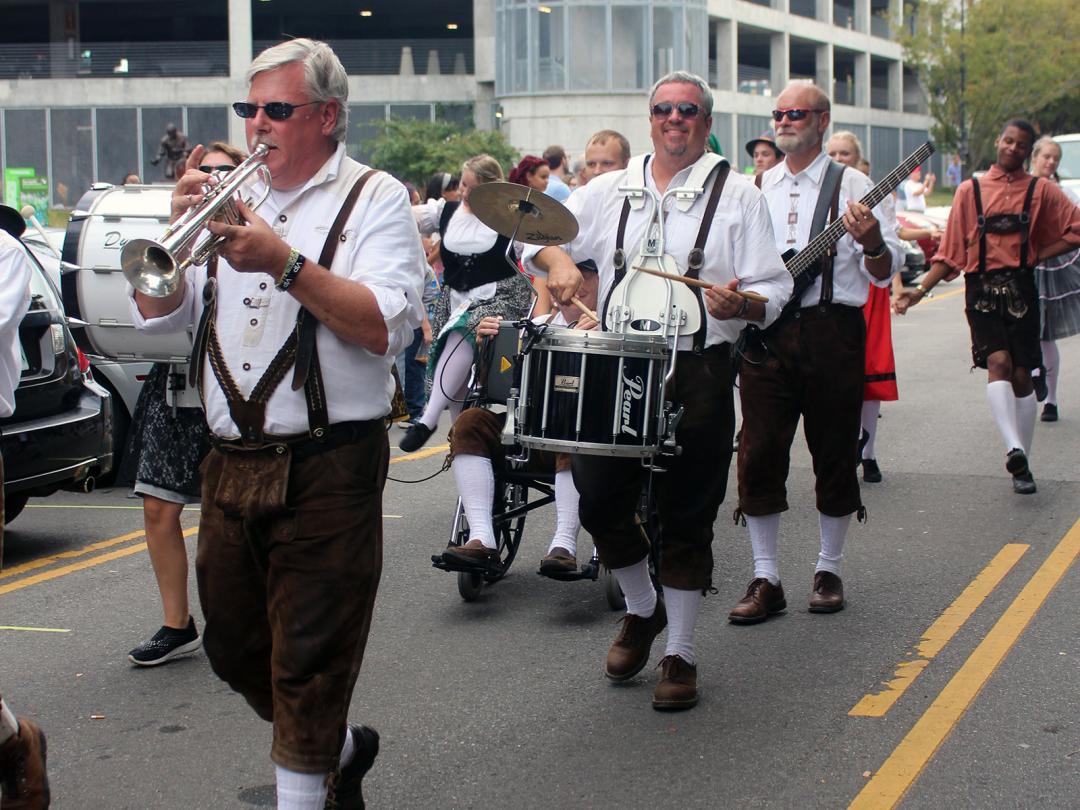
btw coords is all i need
(999, 291)
(299, 351)
(694, 260)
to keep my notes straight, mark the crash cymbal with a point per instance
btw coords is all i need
(537, 218)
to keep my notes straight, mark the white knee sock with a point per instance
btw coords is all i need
(833, 532)
(348, 748)
(476, 485)
(567, 522)
(1051, 362)
(1003, 406)
(764, 537)
(682, 612)
(300, 791)
(870, 410)
(9, 726)
(451, 375)
(1026, 408)
(637, 588)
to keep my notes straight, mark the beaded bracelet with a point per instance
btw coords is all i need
(292, 269)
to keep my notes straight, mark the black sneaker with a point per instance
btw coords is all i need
(415, 437)
(871, 473)
(1016, 462)
(167, 644)
(1024, 484)
(1049, 413)
(344, 791)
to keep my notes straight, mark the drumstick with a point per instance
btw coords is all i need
(577, 302)
(693, 282)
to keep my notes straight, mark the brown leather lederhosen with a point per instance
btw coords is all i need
(1001, 303)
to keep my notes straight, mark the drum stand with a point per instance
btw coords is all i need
(637, 294)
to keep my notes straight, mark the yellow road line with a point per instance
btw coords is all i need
(42, 562)
(93, 506)
(34, 629)
(902, 768)
(54, 573)
(419, 454)
(941, 632)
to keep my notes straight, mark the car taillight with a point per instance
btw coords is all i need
(84, 364)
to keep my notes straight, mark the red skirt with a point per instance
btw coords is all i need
(880, 382)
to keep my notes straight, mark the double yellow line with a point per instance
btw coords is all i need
(899, 772)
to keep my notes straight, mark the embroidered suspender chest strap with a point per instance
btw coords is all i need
(1004, 223)
(299, 348)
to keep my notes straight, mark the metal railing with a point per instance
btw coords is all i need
(391, 57)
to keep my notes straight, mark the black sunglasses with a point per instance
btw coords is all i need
(276, 110)
(223, 167)
(685, 108)
(793, 115)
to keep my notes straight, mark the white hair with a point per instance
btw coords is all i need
(325, 78)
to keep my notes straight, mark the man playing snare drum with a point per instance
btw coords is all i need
(731, 234)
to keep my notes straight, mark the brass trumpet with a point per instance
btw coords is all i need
(156, 268)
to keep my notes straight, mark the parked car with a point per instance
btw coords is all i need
(1069, 168)
(123, 380)
(60, 436)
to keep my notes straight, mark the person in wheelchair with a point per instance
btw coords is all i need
(477, 451)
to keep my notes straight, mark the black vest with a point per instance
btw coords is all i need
(465, 272)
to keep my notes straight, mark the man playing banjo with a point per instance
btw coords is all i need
(739, 253)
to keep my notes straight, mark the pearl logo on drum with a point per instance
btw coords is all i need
(633, 389)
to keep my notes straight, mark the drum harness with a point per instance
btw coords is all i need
(299, 352)
(999, 289)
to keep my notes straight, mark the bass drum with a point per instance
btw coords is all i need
(92, 283)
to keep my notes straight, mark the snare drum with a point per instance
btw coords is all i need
(92, 283)
(597, 393)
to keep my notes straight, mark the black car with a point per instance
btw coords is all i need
(60, 436)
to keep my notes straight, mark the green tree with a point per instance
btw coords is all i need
(414, 150)
(1011, 60)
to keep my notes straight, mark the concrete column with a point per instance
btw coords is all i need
(823, 68)
(823, 10)
(778, 62)
(727, 55)
(896, 86)
(862, 79)
(240, 47)
(862, 16)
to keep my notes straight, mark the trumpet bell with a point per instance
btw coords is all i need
(150, 268)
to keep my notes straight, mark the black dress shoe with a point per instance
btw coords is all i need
(871, 473)
(1039, 381)
(1024, 484)
(344, 791)
(1049, 413)
(1016, 462)
(415, 437)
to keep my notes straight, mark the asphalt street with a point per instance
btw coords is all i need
(949, 681)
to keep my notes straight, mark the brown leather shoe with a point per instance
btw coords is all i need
(23, 780)
(472, 553)
(629, 651)
(828, 595)
(678, 685)
(762, 600)
(558, 561)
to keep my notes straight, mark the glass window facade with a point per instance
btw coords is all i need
(557, 46)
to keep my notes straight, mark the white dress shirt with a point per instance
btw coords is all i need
(465, 234)
(14, 300)
(380, 247)
(740, 244)
(792, 200)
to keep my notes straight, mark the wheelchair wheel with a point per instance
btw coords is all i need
(469, 585)
(612, 592)
(509, 500)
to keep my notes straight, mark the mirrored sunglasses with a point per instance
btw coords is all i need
(685, 109)
(793, 115)
(276, 110)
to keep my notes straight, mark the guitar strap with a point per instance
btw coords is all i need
(828, 205)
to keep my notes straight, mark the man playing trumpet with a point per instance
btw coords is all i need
(294, 355)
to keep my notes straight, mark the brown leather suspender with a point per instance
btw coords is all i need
(299, 349)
